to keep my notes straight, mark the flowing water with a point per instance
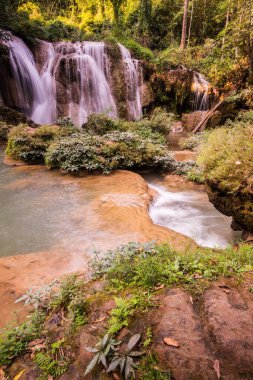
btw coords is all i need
(67, 79)
(186, 209)
(200, 92)
(132, 80)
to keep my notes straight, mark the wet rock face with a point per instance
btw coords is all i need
(191, 120)
(117, 79)
(172, 88)
(8, 88)
(13, 117)
(239, 206)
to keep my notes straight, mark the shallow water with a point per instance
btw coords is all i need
(189, 212)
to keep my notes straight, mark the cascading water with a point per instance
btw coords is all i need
(82, 73)
(66, 79)
(200, 92)
(28, 88)
(131, 70)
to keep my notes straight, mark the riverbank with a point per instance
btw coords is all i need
(59, 221)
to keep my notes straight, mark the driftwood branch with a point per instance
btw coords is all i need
(207, 117)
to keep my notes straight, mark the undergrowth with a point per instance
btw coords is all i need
(146, 266)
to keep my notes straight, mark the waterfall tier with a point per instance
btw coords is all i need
(200, 92)
(67, 79)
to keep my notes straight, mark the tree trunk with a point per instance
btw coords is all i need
(190, 25)
(184, 26)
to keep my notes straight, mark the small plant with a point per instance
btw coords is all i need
(39, 296)
(52, 362)
(125, 360)
(148, 339)
(102, 350)
(149, 369)
(65, 122)
(124, 309)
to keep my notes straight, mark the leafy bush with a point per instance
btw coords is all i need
(86, 153)
(139, 51)
(226, 157)
(30, 144)
(100, 124)
(14, 341)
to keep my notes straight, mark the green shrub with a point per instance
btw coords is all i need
(86, 153)
(226, 157)
(14, 342)
(139, 51)
(100, 124)
(30, 144)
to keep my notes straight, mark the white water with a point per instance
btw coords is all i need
(131, 70)
(190, 213)
(200, 92)
(86, 69)
(31, 93)
(74, 79)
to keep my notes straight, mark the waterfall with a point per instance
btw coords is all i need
(83, 70)
(66, 79)
(131, 71)
(28, 89)
(200, 92)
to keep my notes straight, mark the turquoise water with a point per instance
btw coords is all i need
(37, 210)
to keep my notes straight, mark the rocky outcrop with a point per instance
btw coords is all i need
(238, 205)
(13, 117)
(191, 120)
(211, 335)
(172, 88)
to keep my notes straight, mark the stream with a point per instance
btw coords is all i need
(189, 212)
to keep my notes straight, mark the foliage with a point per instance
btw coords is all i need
(30, 144)
(102, 350)
(14, 341)
(39, 297)
(4, 130)
(193, 141)
(148, 369)
(226, 157)
(107, 349)
(52, 362)
(148, 338)
(125, 359)
(124, 309)
(139, 51)
(87, 153)
(146, 266)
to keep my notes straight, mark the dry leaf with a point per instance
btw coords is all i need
(216, 367)
(196, 275)
(171, 342)
(38, 344)
(99, 320)
(17, 377)
(115, 376)
(224, 286)
(158, 287)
